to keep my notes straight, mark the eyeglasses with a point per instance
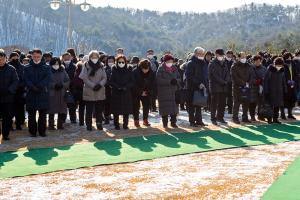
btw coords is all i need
(121, 62)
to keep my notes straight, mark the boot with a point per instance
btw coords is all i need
(146, 123)
(137, 123)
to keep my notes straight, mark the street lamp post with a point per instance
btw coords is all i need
(55, 5)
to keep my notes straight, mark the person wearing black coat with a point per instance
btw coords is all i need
(8, 87)
(70, 68)
(256, 91)
(109, 65)
(242, 77)
(291, 78)
(219, 77)
(37, 78)
(142, 91)
(77, 92)
(19, 100)
(275, 87)
(228, 63)
(154, 66)
(121, 82)
(196, 80)
(296, 63)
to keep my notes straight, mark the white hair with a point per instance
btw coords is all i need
(94, 52)
(199, 49)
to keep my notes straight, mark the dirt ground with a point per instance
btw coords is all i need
(241, 173)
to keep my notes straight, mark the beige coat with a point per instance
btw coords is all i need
(91, 81)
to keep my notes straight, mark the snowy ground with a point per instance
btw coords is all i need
(242, 173)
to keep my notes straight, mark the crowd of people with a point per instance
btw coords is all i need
(104, 87)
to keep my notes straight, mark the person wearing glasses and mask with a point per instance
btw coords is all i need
(94, 77)
(219, 77)
(121, 82)
(59, 83)
(168, 79)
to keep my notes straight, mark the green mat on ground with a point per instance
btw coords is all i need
(287, 186)
(42, 160)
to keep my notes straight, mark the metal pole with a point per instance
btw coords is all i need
(69, 33)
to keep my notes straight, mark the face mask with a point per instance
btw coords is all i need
(36, 62)
(150, 56)
(47, 63)
(121, 65)
(110, 64)
(221, 58)
(95, 60)
(169, 64)
(200, 58)
(67, 62)
(56, 67)
(228, 59)
(134, 65)
(243, 60)
(278, 68)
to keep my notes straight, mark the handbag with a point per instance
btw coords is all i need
(181, 96)
(69, 99)
(200, 98)
(245, 94)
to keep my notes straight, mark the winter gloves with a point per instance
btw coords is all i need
(58, 86)
(97, 87)
(173, 81)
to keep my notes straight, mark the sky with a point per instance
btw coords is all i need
(185, 5)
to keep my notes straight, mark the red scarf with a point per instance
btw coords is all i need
(169, 69)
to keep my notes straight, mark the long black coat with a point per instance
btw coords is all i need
(108, 71)
(275, 86)
(291, 97)
(241, 73)
(121, 100)
(218, 76)
(196, 74)
(19, 96)
(8, 83)
(142, 82)
(258, 80)
(37, 75)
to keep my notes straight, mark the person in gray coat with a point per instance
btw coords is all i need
(94, 77)
(59, 83)
(167, 78)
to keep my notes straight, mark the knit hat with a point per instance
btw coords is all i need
(168, 57)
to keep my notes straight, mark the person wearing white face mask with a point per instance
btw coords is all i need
(242, 77)
(94, 77)
(59, 83)
(109, 64)
(229, 98)
(37, 78)
(154, 66)
(196, 80)
(70, 68)
(219, 76)
(275, 88)
(168, 79)
(121, 82)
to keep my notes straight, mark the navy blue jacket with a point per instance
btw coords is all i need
(37, 75)
(8, 83)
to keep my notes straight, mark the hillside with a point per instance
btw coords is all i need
(31, 23)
